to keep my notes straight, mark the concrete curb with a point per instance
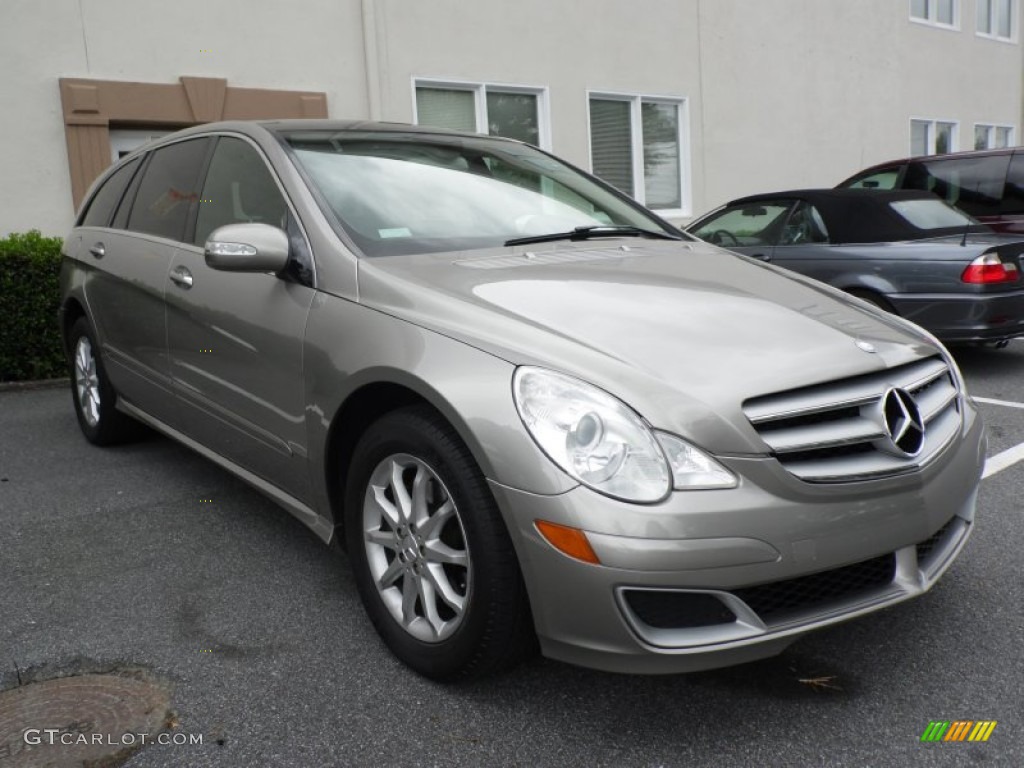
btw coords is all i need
(23, 386)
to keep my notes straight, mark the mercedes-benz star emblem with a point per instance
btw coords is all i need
(903, 424)
(867, 346)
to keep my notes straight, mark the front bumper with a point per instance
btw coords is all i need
(773, 554)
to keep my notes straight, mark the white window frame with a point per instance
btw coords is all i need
(992, 127)
(129, 139)
(479, 90)
(932, 133)
(636, 124)
(992, 35)
(932, 19)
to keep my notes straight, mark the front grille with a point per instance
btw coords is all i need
(783, 599)
(677, 610)
(927, 548)
(835, 432)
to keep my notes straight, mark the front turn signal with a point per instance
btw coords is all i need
(569, 541)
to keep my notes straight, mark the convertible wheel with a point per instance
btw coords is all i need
(432, 559)
(92, 393)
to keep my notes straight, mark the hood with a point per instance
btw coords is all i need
(683, 332)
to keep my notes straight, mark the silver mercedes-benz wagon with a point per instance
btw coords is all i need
(528, 408)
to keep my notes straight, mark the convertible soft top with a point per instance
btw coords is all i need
(861, 215)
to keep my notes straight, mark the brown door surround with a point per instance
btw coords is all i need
(91, 107)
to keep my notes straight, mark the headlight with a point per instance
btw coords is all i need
(692, 469)
(601, 442)
(591, 435)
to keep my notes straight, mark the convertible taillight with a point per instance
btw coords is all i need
(988, 269)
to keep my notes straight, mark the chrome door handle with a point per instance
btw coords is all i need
(182, 277)
(98, 250)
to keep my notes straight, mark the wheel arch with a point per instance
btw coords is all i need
(70, 311)
(382, 392)
(876, 284)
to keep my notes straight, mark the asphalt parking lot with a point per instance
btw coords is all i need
(149, 557)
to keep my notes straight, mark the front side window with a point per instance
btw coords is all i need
(495, 110)
(993, 136)
(169, 189)
(996, 18)
(408, 193)
(938, 12)
(932, 137)
(101, 207)
(239, 188)
(636, 146)
(804, 226)
(886, 179)
(746, 224)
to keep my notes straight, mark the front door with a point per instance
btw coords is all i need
(235, 340)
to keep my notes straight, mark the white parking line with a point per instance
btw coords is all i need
(1001, 461)
(991, 401)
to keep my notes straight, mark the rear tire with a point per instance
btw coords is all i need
(432, 559)
(92, 393)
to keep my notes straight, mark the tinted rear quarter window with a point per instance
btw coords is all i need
(169, 189)
(101, 207)
(973, 184)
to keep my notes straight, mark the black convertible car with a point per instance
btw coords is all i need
(905, 251)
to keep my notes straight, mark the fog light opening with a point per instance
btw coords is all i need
(569, 541)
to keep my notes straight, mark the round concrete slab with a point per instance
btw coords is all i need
(87, 719)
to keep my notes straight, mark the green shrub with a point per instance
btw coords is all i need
(30, 344)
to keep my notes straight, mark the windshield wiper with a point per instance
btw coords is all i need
(594, 230)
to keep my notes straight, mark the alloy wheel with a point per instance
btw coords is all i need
(87, 382)
(416, 548)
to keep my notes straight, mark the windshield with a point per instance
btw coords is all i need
(406, 193)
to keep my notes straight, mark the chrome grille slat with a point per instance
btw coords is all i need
(935, 400)
(835, 432)
(822, 435)
(843, 394)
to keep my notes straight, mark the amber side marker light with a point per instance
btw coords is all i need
(569, 541)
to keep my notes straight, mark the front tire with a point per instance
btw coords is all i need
(432, 559)
(93, 395)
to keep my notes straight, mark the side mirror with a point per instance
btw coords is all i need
(247, 248)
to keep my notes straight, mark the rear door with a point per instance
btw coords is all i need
(126, 292)
(235, 340)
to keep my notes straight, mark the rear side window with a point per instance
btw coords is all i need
(239, 188)
(103, 203)
(168, 190)
(1013, 197)
(972, 184)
